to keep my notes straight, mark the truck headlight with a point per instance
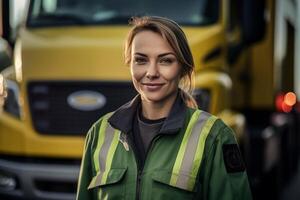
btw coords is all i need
(202, 97)
(12, 103)
(8, 181)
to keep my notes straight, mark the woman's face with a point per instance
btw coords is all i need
(155, 69)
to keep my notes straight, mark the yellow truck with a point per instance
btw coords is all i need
(68, 70)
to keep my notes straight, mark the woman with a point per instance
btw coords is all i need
(159, 145)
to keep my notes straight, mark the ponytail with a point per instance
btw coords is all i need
(186, 86)
(188, 99)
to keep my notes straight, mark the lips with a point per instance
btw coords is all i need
(153, 86)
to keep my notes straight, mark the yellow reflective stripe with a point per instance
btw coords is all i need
(180, 155)
(101, 136)
(106, 147)
(102, 196)
(200, 150)
(110, 155)
(190, 152)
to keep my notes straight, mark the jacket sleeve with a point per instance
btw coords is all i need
(225, 177)
(85, 175)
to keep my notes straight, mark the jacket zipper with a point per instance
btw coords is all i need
(140, 171)
(138, 164)
(138, 184)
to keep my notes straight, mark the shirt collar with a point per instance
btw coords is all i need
(123, 117)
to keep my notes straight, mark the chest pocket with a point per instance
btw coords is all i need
(108, 184)
(164, 189)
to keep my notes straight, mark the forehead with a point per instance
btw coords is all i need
(150, 42)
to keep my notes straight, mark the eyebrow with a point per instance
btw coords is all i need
(160, 55)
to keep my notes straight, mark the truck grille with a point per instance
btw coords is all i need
(52, 110)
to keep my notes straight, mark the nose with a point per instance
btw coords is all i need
(152, 71)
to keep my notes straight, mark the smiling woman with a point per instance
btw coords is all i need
(160, 145)
(155, 73)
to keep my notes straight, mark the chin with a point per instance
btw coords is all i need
(158, 97)
(153, 99)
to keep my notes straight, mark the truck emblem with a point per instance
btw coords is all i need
(86, 100)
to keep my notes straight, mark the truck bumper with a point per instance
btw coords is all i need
(19, 180)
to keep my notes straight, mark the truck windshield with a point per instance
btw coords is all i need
(94, 12)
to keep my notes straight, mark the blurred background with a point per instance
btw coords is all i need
(62, 61)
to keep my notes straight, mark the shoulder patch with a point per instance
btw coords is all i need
(232, 158)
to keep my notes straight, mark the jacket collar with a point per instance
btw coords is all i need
(123, 117)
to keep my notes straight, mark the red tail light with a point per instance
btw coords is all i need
(285, 102)
(290, 98)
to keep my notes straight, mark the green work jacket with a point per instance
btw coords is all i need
(195, 157)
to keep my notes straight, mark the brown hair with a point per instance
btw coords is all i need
(174, 35)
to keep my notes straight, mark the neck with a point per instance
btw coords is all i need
(157, 110)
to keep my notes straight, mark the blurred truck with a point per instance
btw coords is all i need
(67, 70)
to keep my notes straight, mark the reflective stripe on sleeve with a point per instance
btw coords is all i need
(104, 153)
(190, 153)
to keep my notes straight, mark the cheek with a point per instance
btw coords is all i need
(136, 79)
(136, 85)
(172, 75)
(136, 74)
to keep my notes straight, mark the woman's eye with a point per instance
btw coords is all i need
(166, 61)
(140, 61)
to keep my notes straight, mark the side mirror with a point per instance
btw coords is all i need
(253, 24)
(253, 21)
(5, 54)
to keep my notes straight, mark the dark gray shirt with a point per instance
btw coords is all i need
(148, 129)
